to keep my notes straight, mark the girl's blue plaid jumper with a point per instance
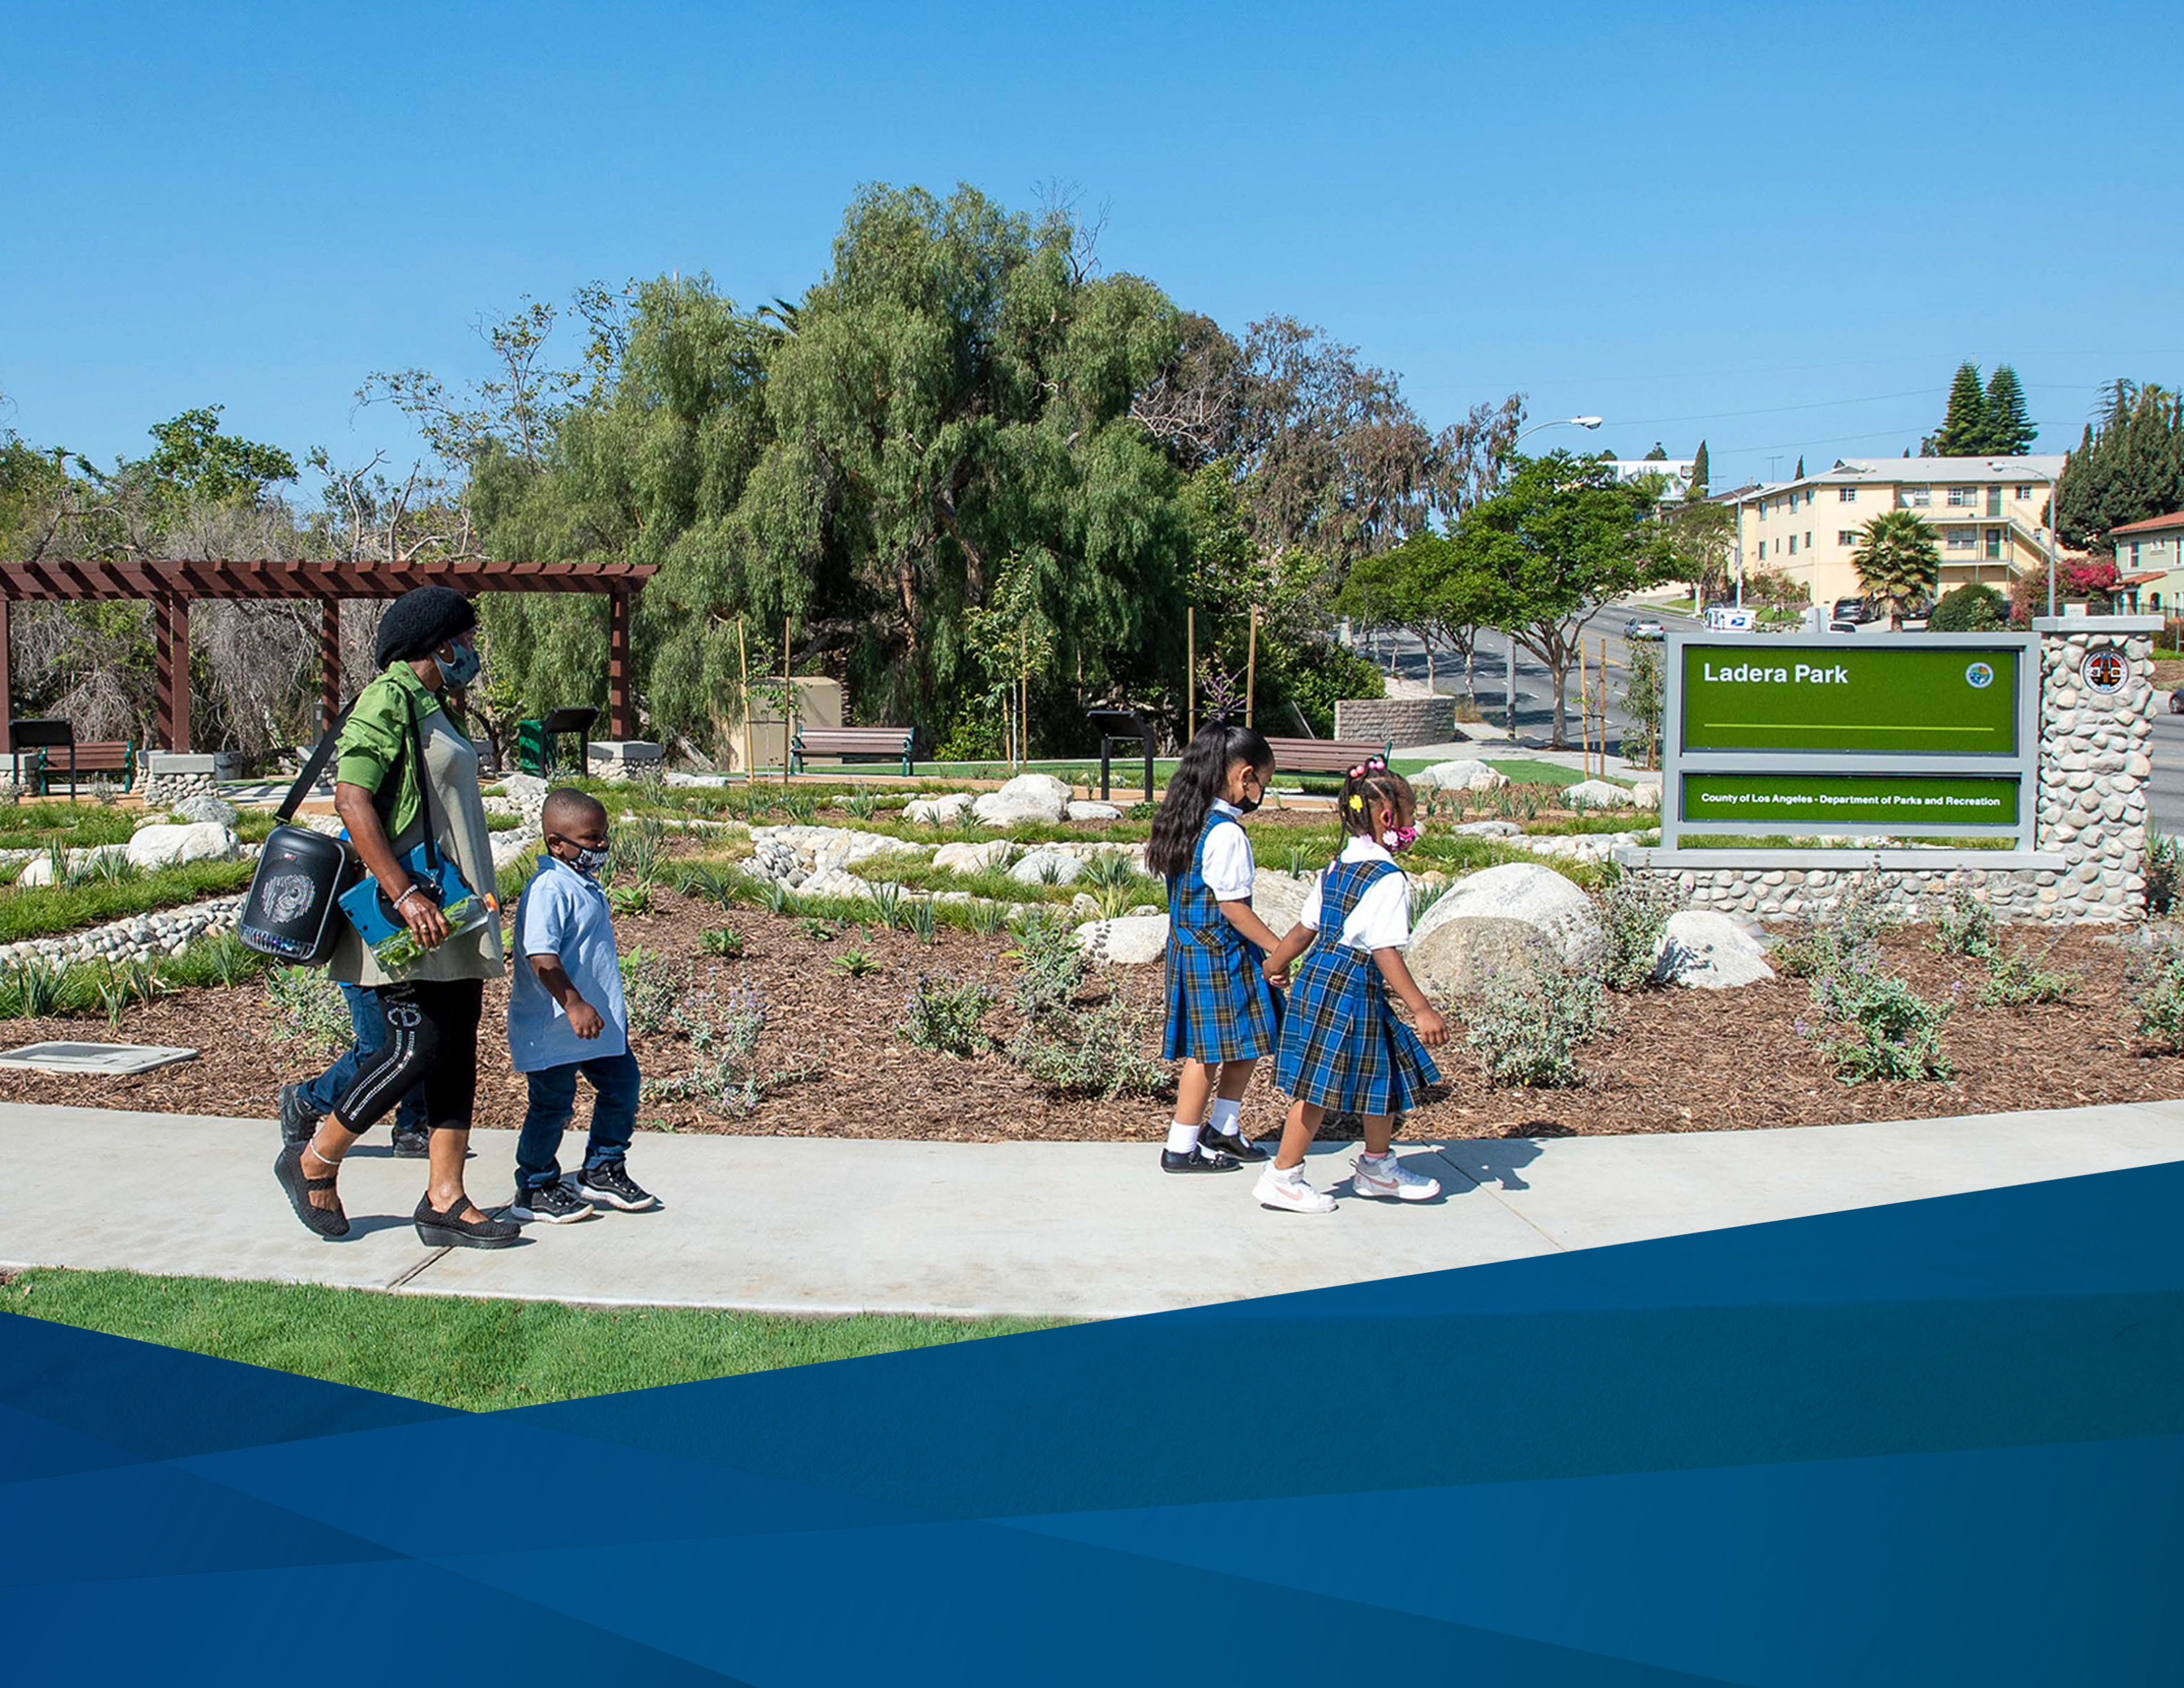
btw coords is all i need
(1342, 1045)
(1220, 1006)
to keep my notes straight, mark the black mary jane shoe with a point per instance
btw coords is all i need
(1198, 1160)
(439, 1230)
(1234, 1143)
(288, 1168)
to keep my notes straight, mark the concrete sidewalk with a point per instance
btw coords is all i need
(819, 1225)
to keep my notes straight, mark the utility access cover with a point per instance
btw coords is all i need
(110, 1061)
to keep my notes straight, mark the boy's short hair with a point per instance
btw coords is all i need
(568, 807)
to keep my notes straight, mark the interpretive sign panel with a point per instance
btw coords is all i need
(1912, 734)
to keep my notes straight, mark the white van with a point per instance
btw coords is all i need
(1722, 618)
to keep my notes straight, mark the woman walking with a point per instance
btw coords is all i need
(427, 641)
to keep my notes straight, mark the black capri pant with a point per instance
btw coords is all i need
(432, 1029)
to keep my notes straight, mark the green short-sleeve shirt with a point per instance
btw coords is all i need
(377, 737)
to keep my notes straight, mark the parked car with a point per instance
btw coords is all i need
(1644, 627)
(2176, 703)
(1854, 610)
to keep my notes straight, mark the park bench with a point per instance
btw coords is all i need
(887, 742)
(1323, 755)
(81, 760)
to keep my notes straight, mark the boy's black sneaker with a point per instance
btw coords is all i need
(1198, 1160)
(552, 1204)
(611, 1186)
(412, 1145)
(1230, 1143)
(298, 1123)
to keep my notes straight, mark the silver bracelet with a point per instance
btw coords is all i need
(414, 891)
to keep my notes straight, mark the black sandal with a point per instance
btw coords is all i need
(442, 1230)
(288, 1168)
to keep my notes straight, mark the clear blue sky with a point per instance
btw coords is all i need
(1778, 227)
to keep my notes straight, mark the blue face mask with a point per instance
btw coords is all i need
(462, 668)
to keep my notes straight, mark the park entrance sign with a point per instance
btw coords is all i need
(1908, 735)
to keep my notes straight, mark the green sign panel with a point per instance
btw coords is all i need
(1796, 802)
(1851, 695)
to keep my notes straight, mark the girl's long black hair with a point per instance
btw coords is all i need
(1191, 789)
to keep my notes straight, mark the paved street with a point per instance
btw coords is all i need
(2166, 788)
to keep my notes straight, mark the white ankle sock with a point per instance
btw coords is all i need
(1182, 1139)
(1227, 1115)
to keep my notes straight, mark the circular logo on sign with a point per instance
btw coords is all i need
(1979, 676)
(2104, 671)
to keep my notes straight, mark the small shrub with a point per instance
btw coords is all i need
(1634, 910)
(2161, 1009)
(1300, 861)
(638, 852)
(1049, 872)
(1141, 811)
(724, 941)
(308, 1007)
(1527, 1027)
(2014, 980)
(650, 986)
(36, 988)
(1100, 1053)
(1424, 897)
(854, 962)
(800, 806)
(1832, 951)
(886, 904)
(943, 1014)
(727, 1077)
(987, 916)
(1965, 927)
(817, 930)
(2161, 870)
(776, 895)
(222, 960)
(922, 925)
(629, 902)
(861, 803)
(1050, 966)
(706, 883)
(1893, 1032)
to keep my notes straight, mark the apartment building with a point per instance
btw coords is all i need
(1989, 515)
(2150, 558)
(1676, 471)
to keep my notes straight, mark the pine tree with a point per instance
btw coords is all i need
(2010, 431)
(2128, 467)
(1659, 453)
(1963, 429)
(1800, 474)
(1699, 472)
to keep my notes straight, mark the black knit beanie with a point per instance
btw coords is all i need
(421, 621)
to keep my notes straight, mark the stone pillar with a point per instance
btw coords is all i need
(2095, 759)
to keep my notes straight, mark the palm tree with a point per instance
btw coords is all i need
(1898, 560)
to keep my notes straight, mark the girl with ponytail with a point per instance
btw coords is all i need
(1221, 1011)
(1342, 1047)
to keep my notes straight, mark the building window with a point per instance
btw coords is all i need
(2134, 553)
(2157, 601)
(1994, 544)
(1845, 536)
(1846, 495)
(1809, 539)
(1962, 538)
(1962, 498)
(2022, 493)
(1913, 497)
(1793, 544)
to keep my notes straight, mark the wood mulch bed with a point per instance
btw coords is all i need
(1676, 1060)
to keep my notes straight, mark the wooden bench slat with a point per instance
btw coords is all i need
(853, 741)
(1323, 755)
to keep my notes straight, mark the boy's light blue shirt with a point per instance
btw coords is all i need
(564, 913)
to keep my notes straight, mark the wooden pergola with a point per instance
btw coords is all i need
(172, 587)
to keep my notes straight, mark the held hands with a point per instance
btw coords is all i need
(422, 915)
(1276, 976)
(584, 1019)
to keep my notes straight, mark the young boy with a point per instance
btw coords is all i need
(565, 1016)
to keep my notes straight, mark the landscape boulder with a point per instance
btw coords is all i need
(846, 848)
(1080, 810)
(1466, 775)
(39, 869)
(1702, 950)
(1491, 829)
(1047, 867)
(1647, 794)
(206, 807)
(529, 793)
(1462, 957)
(945, 811)
(1598, 794)
(973, 858)
(1521, 892)
(1127, 941)
(167, 846)
(1027, 798)
(1278, 899)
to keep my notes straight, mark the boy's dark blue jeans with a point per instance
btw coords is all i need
(614, 1083)
(332, 1085)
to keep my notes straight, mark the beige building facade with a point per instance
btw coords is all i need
(1989, 515)
(2150, 557)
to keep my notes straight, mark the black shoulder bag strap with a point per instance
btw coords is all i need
(313, 766)
(424, 785)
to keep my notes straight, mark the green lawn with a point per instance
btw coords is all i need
(48, 911)
(475, 1354)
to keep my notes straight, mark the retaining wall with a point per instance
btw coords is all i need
(1400, 720)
